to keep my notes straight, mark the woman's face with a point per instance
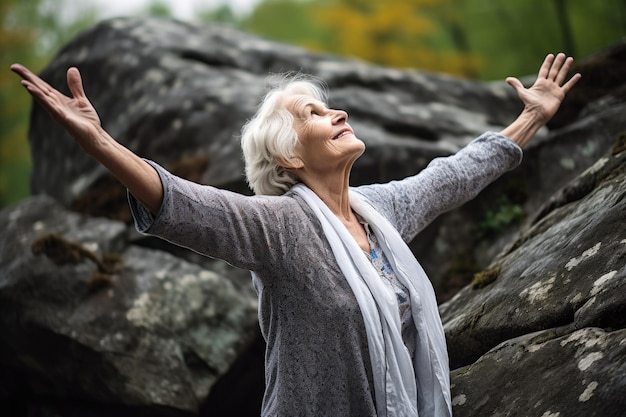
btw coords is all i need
(326, 140)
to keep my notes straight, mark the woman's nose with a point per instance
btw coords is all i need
(339, 116)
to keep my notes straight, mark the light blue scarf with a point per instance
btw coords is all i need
(402, 387)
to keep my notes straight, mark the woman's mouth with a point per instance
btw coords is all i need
(342, 133)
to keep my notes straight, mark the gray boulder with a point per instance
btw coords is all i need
(546, 374)
(86, 316)
(543, 326)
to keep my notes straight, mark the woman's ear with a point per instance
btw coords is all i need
(292, 163)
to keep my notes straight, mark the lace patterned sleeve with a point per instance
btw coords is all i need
(446, 183)
(244, 231)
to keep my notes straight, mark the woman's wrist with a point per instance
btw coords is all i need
(98, 144)
(522, 130)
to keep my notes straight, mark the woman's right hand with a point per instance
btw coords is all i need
(76, 114)
(80, 119)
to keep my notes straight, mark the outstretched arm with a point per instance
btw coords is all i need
(80, 119)
(542, 99)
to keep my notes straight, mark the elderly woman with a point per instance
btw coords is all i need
(348, 315)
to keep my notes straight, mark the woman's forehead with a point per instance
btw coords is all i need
(298, 102)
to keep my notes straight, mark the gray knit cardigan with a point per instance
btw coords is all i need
(317, 361)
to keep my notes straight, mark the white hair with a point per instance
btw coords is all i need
(270, 134)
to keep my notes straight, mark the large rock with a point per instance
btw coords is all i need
(159, 330)
(547, 374)
(543, 328)
(87, 317)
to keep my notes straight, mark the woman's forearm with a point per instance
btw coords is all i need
(137, 175)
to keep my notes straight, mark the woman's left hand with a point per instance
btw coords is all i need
(545, 96)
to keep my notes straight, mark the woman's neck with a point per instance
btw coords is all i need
(334, 192)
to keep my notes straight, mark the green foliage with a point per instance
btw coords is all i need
(479, 39)
(32, 30)
(395, 33)
(512, 37)
(288, 21)
(15, 45)
(506, 214)
(222, 14)
(159, 8)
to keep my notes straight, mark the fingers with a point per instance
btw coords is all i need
(544, 71)
(40, 90)
(559, 70)
(27, 75)
(556, 66)
(75, 83)
(556, 69)
(33, 84)
(562, 72)
(20, 70)
(515, 83)
(572, 81)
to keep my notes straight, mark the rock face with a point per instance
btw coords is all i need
(87, 315)
(547, 333)
(98, 320)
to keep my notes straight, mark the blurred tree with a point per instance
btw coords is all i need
(595, 24)
(16, 44)
(511, 37)
(473, 38)
(289, 21)
(31, 31)
(159, 8)
(222, 14)
(565, 27)
(397, 33)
